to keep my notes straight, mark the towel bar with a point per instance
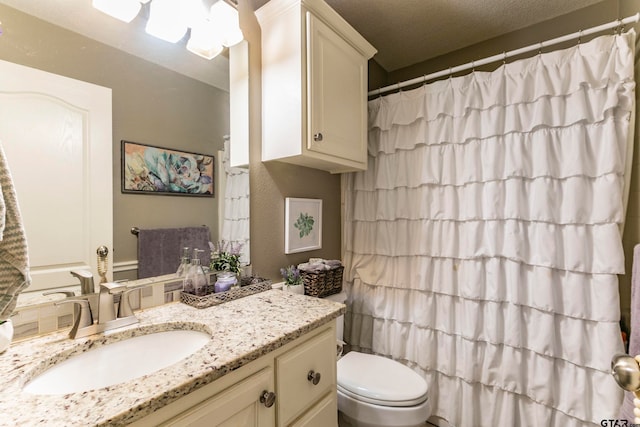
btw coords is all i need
(136, 230)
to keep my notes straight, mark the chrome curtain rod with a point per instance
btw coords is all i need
(505, 55)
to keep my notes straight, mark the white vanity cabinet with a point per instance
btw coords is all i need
(314, 86)
(294, 385)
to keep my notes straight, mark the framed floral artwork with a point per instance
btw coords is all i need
(302, 225)
(154, 170)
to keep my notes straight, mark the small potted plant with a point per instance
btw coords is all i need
(225, 256)
(292, 280)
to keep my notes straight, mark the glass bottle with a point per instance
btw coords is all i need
(184, 263)
(196, 279)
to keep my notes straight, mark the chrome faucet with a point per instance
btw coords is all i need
(107, 316)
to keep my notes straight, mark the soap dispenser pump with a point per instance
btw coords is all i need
(195, 282)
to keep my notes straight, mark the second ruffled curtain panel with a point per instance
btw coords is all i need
(235, 220)
(483, 242)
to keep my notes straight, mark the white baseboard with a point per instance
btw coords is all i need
(119, 267)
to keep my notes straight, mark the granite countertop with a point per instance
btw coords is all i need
(241, 331)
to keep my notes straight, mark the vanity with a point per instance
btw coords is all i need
(271, 361)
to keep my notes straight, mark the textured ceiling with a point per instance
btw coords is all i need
(405, 32)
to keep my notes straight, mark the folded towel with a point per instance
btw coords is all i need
(14, 259)
(319, 264)
(626, 411)
(160, 249)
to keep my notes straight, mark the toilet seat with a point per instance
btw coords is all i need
(396, 403)
(380, 381)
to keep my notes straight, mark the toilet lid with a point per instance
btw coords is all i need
(376, 378)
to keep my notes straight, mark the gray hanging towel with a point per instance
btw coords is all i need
(14, 258)
(160, 249)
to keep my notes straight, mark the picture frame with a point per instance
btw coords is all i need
(302, 225)
(148, 169)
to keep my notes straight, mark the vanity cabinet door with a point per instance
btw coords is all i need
(324, 414)
(304, 375)
(239, 405)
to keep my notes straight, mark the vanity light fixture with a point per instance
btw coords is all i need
(220, 28)
(214, 24)
(168, 20)
(205, 41)
(124, 10)
(224, 16)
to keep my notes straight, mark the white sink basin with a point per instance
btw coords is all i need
(117, 362)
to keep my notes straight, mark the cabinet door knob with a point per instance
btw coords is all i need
(268, 398)
(317, 136)
(313, 377)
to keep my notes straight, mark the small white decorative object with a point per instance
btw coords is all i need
(292, 280)
(6, 335)
(294, 289)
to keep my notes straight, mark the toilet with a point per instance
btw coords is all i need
(375, 391)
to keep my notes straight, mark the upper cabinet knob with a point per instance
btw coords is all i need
(317, 137)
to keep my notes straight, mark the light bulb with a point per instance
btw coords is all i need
(205, 40)
(225, 17)
(167, 20)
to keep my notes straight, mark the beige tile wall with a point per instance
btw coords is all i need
(40, 319)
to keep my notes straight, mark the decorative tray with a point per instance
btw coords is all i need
(212, 299)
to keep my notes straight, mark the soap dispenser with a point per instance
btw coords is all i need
(195, 282)
(184, 263)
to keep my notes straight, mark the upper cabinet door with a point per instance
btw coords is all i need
(314, 87)
(337, 85)
(56, 133)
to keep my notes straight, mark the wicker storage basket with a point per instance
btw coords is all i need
(322, 283)
(218, 298)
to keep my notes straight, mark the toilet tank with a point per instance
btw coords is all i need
(341, 298)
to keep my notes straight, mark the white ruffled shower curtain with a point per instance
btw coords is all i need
(483, 242)
(235, 220)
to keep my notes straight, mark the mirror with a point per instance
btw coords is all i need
(183, 107)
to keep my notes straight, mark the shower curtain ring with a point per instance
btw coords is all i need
(504, 57)
(617, 29)
(579, 37)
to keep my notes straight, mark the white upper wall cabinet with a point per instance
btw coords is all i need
(314, 83)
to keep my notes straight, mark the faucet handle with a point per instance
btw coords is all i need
(84, 317)
(124, 306)
(113, 287)
(86, 281)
